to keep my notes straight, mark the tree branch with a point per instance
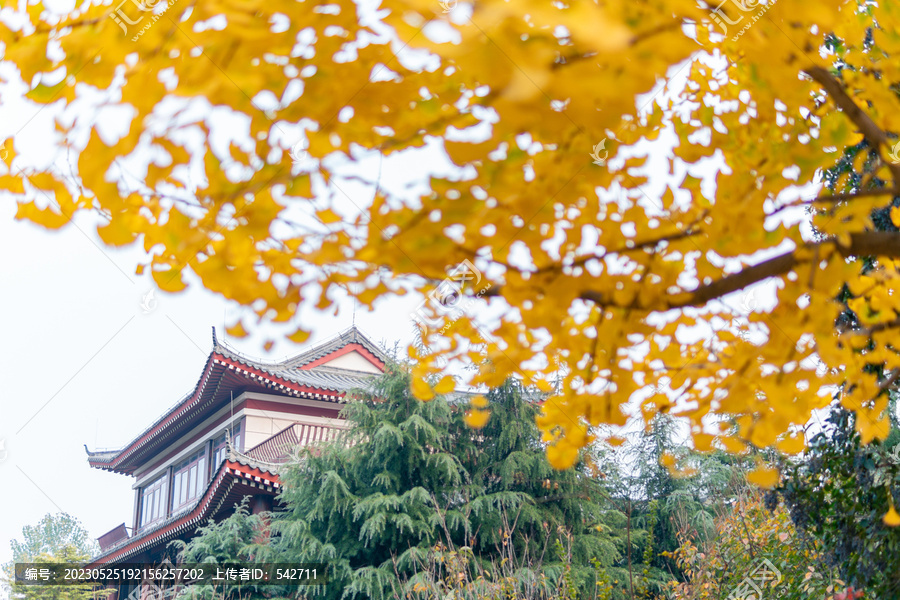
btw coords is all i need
(869, 243)
(834, 198)
(870, 330)
(873, 243)
(583, 260)
(872, 132)
(892, 378)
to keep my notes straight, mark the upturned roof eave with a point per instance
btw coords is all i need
(109, 460)
(271, 375)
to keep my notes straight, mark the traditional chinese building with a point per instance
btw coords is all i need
(227, 438)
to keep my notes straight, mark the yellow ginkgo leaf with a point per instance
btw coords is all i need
(422, 390)
(328, 216)
(445, 385)
(544, 385)
(703, 442)
(892, 518)
(7, 152)
(792, 445)
(117, 232)
(895, 216)
(237, 330)
(479, 401)
(299, 336)
(169, 281)
(562, 455)
(11, 183)
(476, 419)
(733, 445)
(765, 477)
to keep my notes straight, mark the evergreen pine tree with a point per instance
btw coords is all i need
(409, 476)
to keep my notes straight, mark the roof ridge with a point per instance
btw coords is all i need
(350, 335)
(326, 368)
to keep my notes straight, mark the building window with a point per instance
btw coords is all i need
(219, 450)
(153, 502)
(189, 479)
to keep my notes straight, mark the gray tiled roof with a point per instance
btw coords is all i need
(279, 448)
(350, 336)
(246, 460)
(102, 455)
(294, 363)
(321, 377)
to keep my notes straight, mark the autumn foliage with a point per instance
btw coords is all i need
(627, 170)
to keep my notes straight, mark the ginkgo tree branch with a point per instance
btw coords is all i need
(835, 198)
(874, 135)
(878, 243)
(891, 380)
(651, 243)
(870, 243)
(868, 331)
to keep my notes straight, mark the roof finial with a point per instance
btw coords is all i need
(215, 341)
